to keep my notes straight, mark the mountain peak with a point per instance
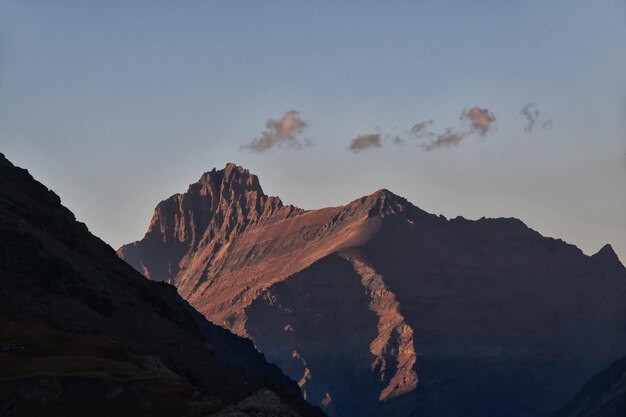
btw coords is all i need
(382, 203)
(383, 193)
(607, 255)
(232, 176)
(213, 211)
(379, 195)
(232, 165)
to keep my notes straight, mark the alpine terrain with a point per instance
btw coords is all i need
(378, 308)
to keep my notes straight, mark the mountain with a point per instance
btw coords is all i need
(603, 396)
(82, 333)
(378, 308)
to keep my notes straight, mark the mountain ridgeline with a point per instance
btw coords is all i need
(83, 334)
(378, 308)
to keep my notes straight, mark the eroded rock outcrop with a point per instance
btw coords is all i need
(393, 346)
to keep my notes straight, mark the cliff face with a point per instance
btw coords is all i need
(379, 308)
(82, 333)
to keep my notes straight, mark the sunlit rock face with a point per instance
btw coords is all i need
(379, 308)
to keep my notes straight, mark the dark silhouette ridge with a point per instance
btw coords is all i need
(82, 333)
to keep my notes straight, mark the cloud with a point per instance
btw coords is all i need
(480, 123)
(472, 121)
(447, 139)
(481, 119)
(419, 129)
(281, 133)
(363, 142)
(531, 112)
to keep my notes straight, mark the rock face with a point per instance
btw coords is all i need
(378, 308)
(82, 333)
(216, 209)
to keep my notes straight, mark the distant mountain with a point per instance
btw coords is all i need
(603, 396)
(379, 308)
(83, 334)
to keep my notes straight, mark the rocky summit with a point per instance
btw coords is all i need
(378, 308)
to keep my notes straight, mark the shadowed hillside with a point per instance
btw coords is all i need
(82, 333)
(603, 396)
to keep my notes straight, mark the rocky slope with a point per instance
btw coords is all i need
(82, 333)
(379, 308)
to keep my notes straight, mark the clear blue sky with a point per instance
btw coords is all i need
(116, 105)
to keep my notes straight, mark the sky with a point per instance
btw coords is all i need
(496, 109)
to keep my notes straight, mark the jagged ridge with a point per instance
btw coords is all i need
(207, 217)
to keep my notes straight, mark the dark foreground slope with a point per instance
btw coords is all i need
(378, 308)
(603, 396)
(82, 333)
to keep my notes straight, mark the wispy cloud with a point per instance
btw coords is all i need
(449, 138)
(363, 142)
(421, 128)
(531, 112)
(418, 131)
(284, 132)
(473, 121)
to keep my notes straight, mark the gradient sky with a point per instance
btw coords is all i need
(116, 105)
